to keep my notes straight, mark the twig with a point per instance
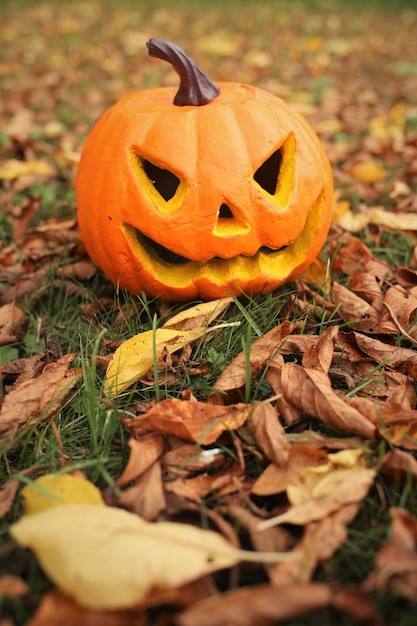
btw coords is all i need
(398, 325)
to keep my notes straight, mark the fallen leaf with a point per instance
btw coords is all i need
(137, 355)
(315, 492)
(396, 221)
(397, 466)
(12, 587)
(146, 497)
(369, 171)
(199, 315)
(263, 605)
(355, 311)
(320, 540)
(396, 561)
(7, 495)
(319, 356)
(275, 479)
(233, 377)
(269, 434)
(38, 398)
(108, 558)
(57, 609)
(143, 454)
(351, 257)
(311, 391)
(52, 490)
(12, 168)
(11, 322)
(350, 221)
(190, 419)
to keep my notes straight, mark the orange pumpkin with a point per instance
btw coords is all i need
(216, 189)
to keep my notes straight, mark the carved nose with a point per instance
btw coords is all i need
(228, 223)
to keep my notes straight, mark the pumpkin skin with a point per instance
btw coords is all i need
(183, 202)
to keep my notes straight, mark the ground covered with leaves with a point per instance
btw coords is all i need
(265, 471)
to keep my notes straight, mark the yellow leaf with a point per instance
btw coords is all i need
(321, 490)
(54, 489)
(136, 355)
(331, 125)
(396, 221)
(344, 217)
(368, 171)
(13, 168)
(207, 311)
(109, 558)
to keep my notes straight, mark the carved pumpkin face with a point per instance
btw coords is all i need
(187, 200)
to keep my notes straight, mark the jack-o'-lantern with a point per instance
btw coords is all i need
(215, 189)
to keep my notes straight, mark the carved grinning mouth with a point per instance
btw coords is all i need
(174, 269)
(168, 256)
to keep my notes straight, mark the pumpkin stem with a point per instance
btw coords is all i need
(196, 88)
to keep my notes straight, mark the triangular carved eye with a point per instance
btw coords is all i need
(164, 181)
(225, 212)
(267, 174)
(276, 175)
(165, 189)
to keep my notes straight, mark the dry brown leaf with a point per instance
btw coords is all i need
(11, 323)
(57, 609)
(38, 398)
(268, 433)
(233, 378)
(143, 454)
(398, 425)
(355, 311)
(396, 561)
(7, 495)
(358, 604)
(381, 352)
(310, 391)
(397, 466)
(319, 356)
(263, 605)
(146, 497)
(401, 304)
(190, 420)
(275, 479)
(367, 284)
(320, 540)
(195, 488)
(188, 459)
(351, 257)
(12, 587)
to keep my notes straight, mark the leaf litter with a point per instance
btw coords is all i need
(287, 475)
